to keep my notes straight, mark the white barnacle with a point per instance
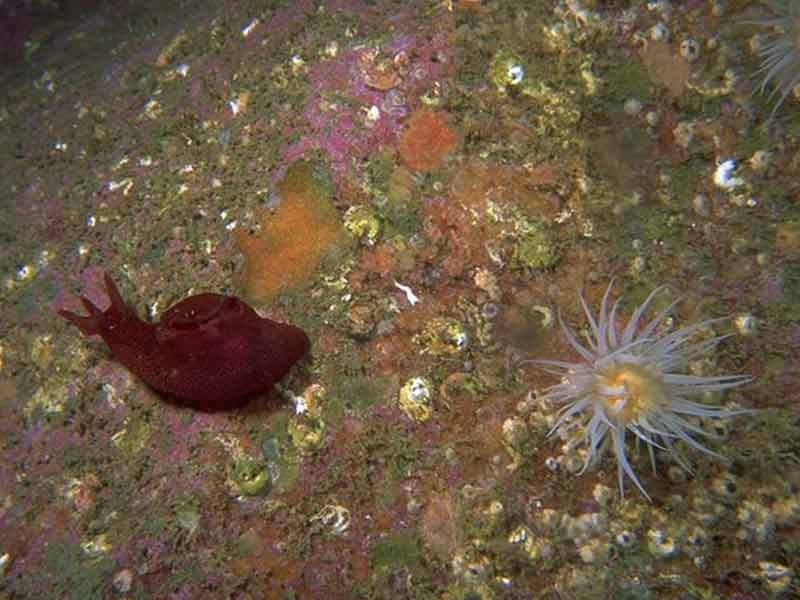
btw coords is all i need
(515, 74)
(724, 175)
(334, 517)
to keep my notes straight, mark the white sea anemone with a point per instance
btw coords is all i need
(634, 380)
(780, 49)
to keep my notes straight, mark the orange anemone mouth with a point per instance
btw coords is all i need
(630, 391)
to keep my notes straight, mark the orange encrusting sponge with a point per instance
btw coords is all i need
(292, 240)
(427, 140)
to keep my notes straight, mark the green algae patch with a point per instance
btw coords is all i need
(787, 308)
(358, 393)
(72, 574)
(133, 438)
(396, 192)
(534, 248)
(186, 519)
(626, 78)
(370, 468)
(534, 244)
(399, 549)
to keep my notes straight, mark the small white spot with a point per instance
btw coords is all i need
(152, 109)
(332, 49)
(373, 113)
(625, 538)
(746, 324)
(659, 32)
(461, 340)
(410, 295)
(690, 49)
(125, 185)
(5, 560)
(24, 272)
(418, 389)
(248, 29)
(632, 106)
(564, 216)
(44, 258)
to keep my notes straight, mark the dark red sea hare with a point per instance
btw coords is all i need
(209, 352)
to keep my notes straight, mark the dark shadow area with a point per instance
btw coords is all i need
(26, 24)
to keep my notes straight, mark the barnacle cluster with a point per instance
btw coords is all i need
(634, 380)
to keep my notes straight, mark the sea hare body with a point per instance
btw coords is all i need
(209, 352)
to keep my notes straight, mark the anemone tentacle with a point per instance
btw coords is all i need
(780, 53)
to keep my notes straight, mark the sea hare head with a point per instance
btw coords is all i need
(116, 321)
